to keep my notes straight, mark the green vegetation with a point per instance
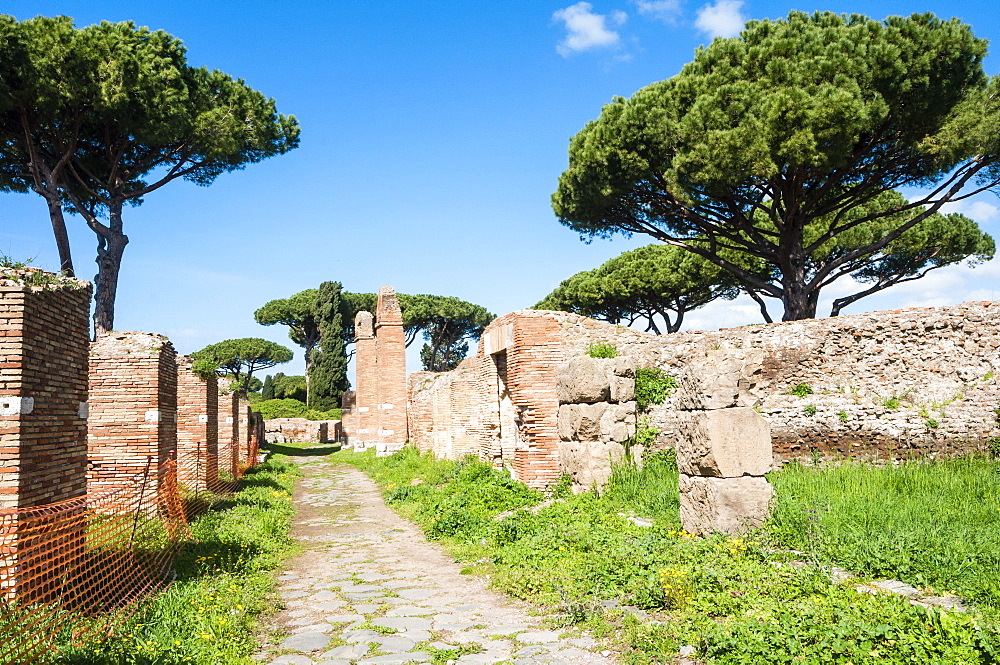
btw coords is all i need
(602, 350)
(928, 523)
(97, 118)
(652, 386)
(737, 599)
(809, 409)
(757, 150)
(240, 358)
(801, 390)
(641, 285)
(293, 408)
(842, 415)
(208, 615)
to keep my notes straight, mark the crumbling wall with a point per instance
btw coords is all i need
(390, 362)
(444, 412)
(364, 427)
(44, 345)
(596, 417)
(228, 433)
(197, 427)
(301, 430)
(133, 407)
(897, 383)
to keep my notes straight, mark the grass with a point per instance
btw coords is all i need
(208, 615)
(929, 523)
(737, 600)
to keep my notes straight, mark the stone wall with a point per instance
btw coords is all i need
(44, 346)
(197, 426)
(133, 406)
(920, 381)
(301, 430)
(887, 384)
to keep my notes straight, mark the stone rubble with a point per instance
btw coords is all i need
(370, 590)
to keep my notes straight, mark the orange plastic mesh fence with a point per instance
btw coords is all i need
(74, 570)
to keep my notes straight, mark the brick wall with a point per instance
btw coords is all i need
(228, 414)
(43, 388)
(445, 412)
(390, 363)
(366, 382)
(301, 430)
(133, 406)
(197, 427)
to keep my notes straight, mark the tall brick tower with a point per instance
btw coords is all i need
(365, 382)
(390, 352)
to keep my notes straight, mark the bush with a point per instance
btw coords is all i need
(652, 386)
(602, 350)
(293, 408)
(801, 390)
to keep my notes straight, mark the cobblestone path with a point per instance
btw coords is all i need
(369, 589)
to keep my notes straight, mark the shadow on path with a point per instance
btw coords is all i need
(292, 451)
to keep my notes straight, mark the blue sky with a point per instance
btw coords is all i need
(433, 134)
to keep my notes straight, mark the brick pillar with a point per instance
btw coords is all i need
(390, 354)
(366, 382)
(44, 346)
(197, 427)
(244, 423)
(133, 406)
(228, 434)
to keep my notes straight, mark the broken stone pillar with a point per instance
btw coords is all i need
(133, 408)
(597, 417)
(390, 352)
(197, 427)
(724, 446)
(366, 383)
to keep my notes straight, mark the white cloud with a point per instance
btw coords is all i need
(721, 19)
(585, 29)
(662, 10)
(980, 211)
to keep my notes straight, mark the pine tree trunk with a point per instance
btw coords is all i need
(110, 247)
(62, 238)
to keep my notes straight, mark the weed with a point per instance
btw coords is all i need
(602, 350)
(842, 415)
(809, 409)
(931, 423)
(652, 386)
(800, 390)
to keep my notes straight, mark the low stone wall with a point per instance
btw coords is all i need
(301, 430)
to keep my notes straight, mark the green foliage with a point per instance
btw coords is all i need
(931, 423)
(204, 368)
(103, 115)
(809, 409)
(224, 579)
(286, 387)
(640, 285)
(801, 390)
(242, 357)
(737, 599)
(652, 386)
(842, 415)
(928, 523)
(446, 323)
(602, 350)
(756, 147)
(328, 374)
(293, 408)
(298, 312)
(267, 388)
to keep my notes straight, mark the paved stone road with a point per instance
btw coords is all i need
(369, 589)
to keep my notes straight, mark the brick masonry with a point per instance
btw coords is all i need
(364, 416)
(133, 407)
(44, 345)
(390, 365)
(197, 427)
(301, 430)
(228, 415)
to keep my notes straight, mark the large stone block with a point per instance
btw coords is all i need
(720, 379)
(585, 380)
(730, 505)
(567, 421)
(587, 423)
(726, 443)
(589, 462)
(618, 422)
(623, 380)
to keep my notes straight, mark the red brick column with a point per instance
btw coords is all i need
(366, 383)
(197, 427)
(390, 351)
(44, 345)
(244, 425)
(133, 406)
(228, 433)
